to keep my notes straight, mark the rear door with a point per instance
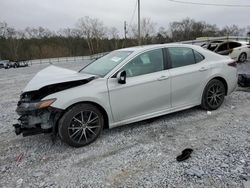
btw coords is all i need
(147, 88)
(188, 73)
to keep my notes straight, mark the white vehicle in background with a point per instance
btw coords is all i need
(125, 86)
(237, 50)
(4, 64)
(13, 64)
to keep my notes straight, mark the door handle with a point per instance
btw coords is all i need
(203, 69)
(162, 78)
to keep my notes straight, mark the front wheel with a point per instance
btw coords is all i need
(81, 125)
(213, 95)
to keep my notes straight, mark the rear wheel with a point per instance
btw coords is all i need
(242, 57)
(81, 125)
(213, 95)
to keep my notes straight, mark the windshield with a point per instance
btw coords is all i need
(105, 64)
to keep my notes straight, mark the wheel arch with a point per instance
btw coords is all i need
(223, 81)
(103, 111)
(220, 78)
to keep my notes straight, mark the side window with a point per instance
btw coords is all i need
(222, 47)
(212, 46)
(198, 57)
(181, 56)
(145, 63)
(233, 45)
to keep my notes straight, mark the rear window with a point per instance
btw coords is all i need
(222, 47)
(234, 45)
(198, 57)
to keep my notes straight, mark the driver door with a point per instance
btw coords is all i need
(147, 88)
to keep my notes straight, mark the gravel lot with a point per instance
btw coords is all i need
(137, 155)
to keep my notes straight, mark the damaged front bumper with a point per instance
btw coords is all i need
(36, 117)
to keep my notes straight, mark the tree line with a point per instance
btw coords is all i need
(91, 36)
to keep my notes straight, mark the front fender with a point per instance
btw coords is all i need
(95, 92)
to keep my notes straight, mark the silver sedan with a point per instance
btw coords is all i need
(125, 86)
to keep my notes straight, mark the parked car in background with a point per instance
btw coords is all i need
(17, 64)
(1, 64)
(125, 86)
(13, 64)
(4, 64)
(237, 50)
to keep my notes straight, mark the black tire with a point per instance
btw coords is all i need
(242, 58)
(81, 125)
(213, 95)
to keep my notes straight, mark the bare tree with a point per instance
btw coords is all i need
(68, 36)
(233, 30)
(189, 29)
(162, 36)
(3, 29)
(182, 30)
(93, 31)
(114, 36)
(147, 30)
(13, 41)
(31, 32)
(39, 32)
(44, 32)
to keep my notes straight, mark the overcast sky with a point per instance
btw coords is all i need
(56, 14)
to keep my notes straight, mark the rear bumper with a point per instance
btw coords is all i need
(33, 121)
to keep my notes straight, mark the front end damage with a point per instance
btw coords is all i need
(36, 116)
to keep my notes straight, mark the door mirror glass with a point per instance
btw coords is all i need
(121, 77)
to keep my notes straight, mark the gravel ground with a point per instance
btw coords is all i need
(137, 155)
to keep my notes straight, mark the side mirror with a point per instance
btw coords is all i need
(121, 77)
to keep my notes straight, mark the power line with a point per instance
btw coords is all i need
(133, 15)
(211, 4)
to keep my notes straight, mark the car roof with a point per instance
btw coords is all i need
(225, 41)
(155, 46)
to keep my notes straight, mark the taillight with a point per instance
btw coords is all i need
(232, 64)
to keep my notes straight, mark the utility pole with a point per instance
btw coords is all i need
(125, 32)
(139, 24)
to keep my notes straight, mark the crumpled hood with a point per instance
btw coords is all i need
(53, 75)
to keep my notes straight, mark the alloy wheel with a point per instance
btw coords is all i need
(215, 95)
(84, 127)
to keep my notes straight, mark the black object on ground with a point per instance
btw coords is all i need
(244, 80)
(186, 153)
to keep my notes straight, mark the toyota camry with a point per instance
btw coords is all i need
(125, 86)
